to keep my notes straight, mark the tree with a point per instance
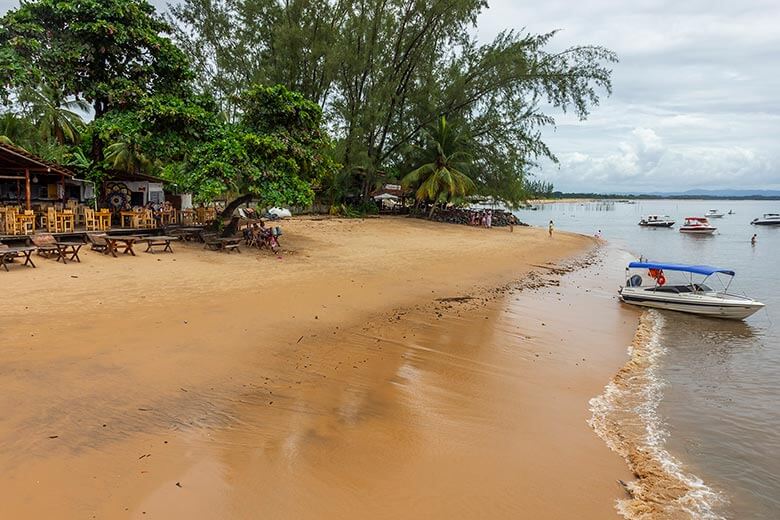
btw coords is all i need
(276, 154)
(442, 178)
(110, 53)
(55, 118)
(384, 70)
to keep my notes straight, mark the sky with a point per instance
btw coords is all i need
(695, 99)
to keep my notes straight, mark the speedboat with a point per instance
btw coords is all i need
(656, 221)
(769, 219)
(690, 296)
(699, 225)
(713, 213)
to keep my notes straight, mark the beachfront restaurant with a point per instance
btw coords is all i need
(38, 194)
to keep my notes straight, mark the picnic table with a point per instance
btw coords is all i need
(188, 233)
(113, 243)
(69, 248)
(227, 244)
(7, 254)
(158, 241)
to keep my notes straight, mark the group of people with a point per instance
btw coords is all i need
(482, 218)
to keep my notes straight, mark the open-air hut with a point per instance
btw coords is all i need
(25, 177)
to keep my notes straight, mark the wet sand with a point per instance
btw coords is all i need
(329, 382)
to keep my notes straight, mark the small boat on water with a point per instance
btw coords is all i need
(713, 213)
(697, 225)
(769, 219)
(657, 221)
(690, 296)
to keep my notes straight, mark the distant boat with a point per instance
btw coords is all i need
(697, 225)
(691, 297)
(657, 221)
(731, 212)
(713, 213)
(769, 219)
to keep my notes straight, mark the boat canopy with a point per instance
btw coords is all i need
(696, 269)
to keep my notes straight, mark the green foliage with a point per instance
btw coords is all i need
(275, 154)
(108, 52)
(446, 158)
(384, 70)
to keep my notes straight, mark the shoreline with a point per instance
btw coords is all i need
(223, 402)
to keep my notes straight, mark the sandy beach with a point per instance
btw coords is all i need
(378, 368)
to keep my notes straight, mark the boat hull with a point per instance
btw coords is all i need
(766, 223)
(698, 231)
(730, 310)
(657, 224)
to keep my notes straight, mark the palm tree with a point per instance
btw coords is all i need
(127, 156)
(15, 130)
(442, 178)
(54, 117)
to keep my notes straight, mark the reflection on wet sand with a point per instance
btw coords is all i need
(477, 412)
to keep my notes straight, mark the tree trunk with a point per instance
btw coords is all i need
(227, 213)
(433, 208)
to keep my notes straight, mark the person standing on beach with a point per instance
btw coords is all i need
(512, 221)
(550, 228)
(489, 219)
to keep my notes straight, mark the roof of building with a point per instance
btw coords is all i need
(15, 158)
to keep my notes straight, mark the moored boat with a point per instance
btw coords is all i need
(697, 225)
(769, 219)
(691, 296)
(713, 213)
(656, 221)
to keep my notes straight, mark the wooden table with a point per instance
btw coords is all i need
(159, 241)
(69, 248)
(114, 243)
(103, 219)
(224, 244)
(131, 216)
(7, 255)
(189, 233)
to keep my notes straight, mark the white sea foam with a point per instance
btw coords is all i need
(626, 417)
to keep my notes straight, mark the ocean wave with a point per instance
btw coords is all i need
(626, 417)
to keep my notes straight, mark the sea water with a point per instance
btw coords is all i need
(717, 414)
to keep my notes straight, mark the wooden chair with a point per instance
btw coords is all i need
(90, 222)
(26, 222)
(11, 223)
(46, 244)
(68, 221)
(97, 242)
(51, 220)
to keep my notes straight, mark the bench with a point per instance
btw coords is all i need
(227, 245)
(47, 246)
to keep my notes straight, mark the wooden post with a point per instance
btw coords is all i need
(27, 187)
(64, 197)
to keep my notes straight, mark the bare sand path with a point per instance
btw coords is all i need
(323, 383)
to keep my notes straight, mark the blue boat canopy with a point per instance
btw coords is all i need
(696, 269)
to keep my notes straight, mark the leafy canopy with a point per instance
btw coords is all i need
(276, 154)
(442, 177)
(109, 52)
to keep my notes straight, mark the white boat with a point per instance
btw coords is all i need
(713, 213)
(656, 221)
(769, 219)
(690, 296)
(698, 225)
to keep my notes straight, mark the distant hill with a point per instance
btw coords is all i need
(689, 194)
(718, 193)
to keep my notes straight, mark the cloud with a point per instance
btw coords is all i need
(694, 100)
(645, 162)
